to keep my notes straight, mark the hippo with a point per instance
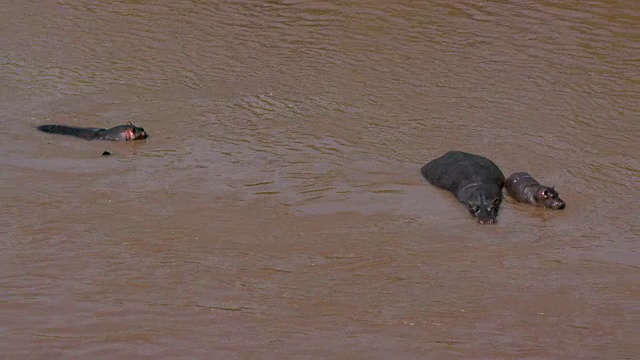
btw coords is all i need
(475, 181)
(118, 133)
(525, 189)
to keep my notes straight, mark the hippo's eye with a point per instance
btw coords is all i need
(546, 193)
(473, 208)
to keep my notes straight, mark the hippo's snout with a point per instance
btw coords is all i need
(490, 219)
(555, 203)
(141, 135)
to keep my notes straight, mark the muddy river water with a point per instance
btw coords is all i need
(277, 210)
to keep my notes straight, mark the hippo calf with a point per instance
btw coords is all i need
(475, 181)
(525, 189)
(119, 133)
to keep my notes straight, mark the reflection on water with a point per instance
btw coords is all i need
(277, 207)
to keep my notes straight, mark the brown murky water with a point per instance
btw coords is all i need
(277, 210)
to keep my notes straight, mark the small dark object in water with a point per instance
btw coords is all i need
(525, 189)
(475, 181)
(106, 153)
(119, 133)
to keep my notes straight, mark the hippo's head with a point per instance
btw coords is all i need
(484, 205)
(549, 198)
(133, 132)
(122, 133)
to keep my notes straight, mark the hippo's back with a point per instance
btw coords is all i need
(518, 179)
(455, 169)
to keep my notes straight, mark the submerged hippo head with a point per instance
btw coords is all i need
(122, 133)
(133, 132)
(485, 212)
(549, 198)
(483, 203)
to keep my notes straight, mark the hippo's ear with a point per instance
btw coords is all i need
(130, 123)
(497, 201)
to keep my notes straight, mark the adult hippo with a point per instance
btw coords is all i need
(475, 181)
